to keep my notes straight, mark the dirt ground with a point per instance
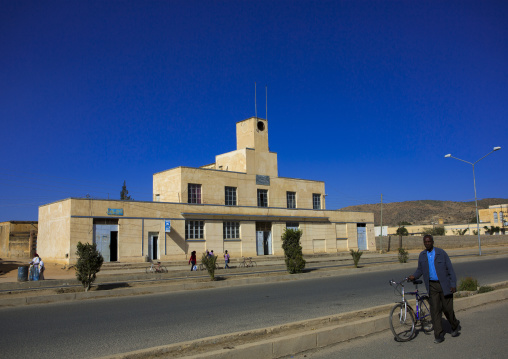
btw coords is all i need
(9, 270)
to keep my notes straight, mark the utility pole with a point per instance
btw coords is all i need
(381, 239)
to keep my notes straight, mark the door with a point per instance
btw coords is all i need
(106, 239)
(259, 243)
(113, 246)
(153, 246)
(264, 238)
(361, 231)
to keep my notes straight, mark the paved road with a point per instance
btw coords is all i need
(483, 335)
(94, 328)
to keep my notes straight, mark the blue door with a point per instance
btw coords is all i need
(362, 237)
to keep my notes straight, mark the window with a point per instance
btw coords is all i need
(316, 201)
(194, 193)
(194, 229)
(262, 198)
(231, 230)
(230, 196)
(293, 225)
(495, 217)
(501, 217)
(291, 199)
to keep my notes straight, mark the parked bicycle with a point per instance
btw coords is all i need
(247, 262)
(156, 268)
(403, 317)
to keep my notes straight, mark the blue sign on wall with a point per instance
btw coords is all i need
(168, 226)
(115, 211)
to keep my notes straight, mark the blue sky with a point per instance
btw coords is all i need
(367, 96)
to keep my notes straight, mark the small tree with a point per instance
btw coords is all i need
(89, 264)
(356, 256)
(460, 232)
(293, 255)
(491, 230)
(403, 255)
(401, 231)
(209, 263)
(124, 194)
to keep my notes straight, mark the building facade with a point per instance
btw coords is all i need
(18, 239)
(239, 204)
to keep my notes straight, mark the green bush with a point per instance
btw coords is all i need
(89, 264)
(468, 284)
(437, 231)
(293, 255)
(356, 256)
(485, 289)
(209, 263)
(402, 231)
(403, 255)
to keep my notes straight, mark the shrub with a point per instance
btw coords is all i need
(89, 264)
(293, 255)
(356, 256)
(209, 263)
(403, 255)
(437, 231)
(468, 284)
(485, 289)
(402, 231)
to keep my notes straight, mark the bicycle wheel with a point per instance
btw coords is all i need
(253, 264)
(402, 322)
(148, 270)
(241, 265)
(164, 269)
(424, 315)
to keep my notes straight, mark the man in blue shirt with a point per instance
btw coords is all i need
(440, 281)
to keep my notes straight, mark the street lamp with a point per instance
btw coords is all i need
(475, 201)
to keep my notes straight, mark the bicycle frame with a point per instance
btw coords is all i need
(406, 315)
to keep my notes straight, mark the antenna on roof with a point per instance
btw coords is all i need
(266, 101)
(255, 102)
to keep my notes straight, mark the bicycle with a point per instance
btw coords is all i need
(247, 262)
(403, 317)
(156, 268)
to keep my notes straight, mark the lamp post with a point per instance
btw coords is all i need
(475, 201)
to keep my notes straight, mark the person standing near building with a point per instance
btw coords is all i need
(226, 259)
(192, 260)
(440, 281)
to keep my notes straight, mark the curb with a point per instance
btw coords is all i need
(305, 335)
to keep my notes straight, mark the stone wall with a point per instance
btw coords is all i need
(391, 243)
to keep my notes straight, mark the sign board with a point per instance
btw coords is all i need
(115, 211)
(263, 180)
(168, 226)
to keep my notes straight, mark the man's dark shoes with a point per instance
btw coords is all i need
(456, 331)
(439, 339)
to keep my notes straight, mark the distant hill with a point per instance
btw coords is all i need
(426, 211)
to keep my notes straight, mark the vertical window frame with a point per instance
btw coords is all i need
(262, 197)
(231, 230)
(194, 229)
(230, 197)
(316, 201)
(194, 193)
(291, 199)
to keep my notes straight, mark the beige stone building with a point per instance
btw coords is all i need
(239, 204)
(18, 239)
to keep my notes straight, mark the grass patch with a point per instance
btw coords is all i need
(468, 284)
